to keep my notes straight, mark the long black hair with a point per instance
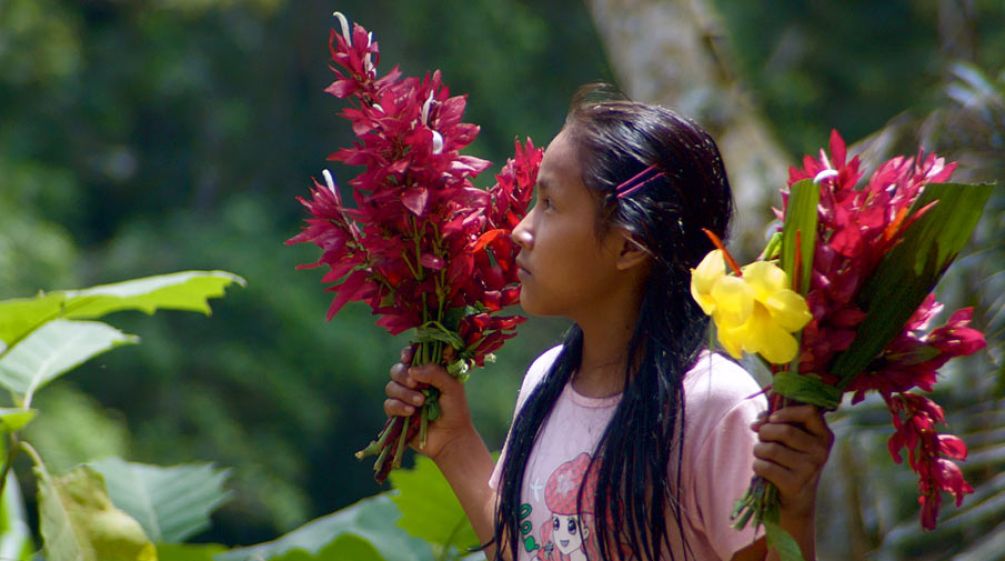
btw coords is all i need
(638, 458)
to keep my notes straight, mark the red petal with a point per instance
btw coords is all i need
(415, 200)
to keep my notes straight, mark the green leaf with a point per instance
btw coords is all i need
(806, 388)
(429, 509)
(55, 348)
(188, 552)
(372, 520)
(15, 419)
(15, 534)
(79, 523)
(171, 503)
(911, 270)
(186, 291)
(801, 217)
(782, 542)
(347, 547)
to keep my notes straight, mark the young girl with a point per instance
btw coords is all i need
(664, 436)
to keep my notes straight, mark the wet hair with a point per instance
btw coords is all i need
(638, 458)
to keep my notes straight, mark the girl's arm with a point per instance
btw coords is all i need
(452, 441)
(794, 445)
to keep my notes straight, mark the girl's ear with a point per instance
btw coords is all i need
(632, 254)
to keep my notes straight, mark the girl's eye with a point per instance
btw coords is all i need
(546, 203)
(572, 525)
(557, 524)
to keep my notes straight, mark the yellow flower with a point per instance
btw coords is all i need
(755, 312)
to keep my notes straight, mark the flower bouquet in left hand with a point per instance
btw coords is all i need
(841, 302)
(424, 247)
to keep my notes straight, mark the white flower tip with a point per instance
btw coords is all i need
(328, 180)
(425, 109)
(825, 174)
(437, 142)
(344, 23)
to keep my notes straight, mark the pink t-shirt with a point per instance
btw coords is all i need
(721, 401)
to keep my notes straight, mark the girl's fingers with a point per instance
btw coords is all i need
(397, 408)
(435, 376)
(781, 477)
(810, 417)
(399, 373)
(394, 390)
(406, 355)
(790, 436)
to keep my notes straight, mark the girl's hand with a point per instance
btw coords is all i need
(404, 397)
(795, 443)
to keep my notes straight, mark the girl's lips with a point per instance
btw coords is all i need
(522, 268)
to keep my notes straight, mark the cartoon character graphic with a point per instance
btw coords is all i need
(568, 535)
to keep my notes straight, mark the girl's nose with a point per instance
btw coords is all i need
(521, 235)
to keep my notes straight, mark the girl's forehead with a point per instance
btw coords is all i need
(561, 161)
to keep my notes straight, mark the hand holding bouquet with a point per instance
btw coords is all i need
(841, 302)
(425, 248)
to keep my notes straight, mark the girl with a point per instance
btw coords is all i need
(622, 195)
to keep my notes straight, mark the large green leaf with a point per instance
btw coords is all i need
(55, 348)
(429, 509)
(79, 523)
(372, 520)
(346, 547)
(186, 291)
(15, 534)
(171, 503)
(911, 270)
(188, 552)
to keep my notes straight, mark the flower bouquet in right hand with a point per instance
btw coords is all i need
(426, 249)
(841, 302)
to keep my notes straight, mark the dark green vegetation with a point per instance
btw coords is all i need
(139, 138)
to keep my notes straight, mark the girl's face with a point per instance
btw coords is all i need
(565, 269)
(568, 533)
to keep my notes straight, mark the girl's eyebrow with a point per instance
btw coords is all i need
(542, 184)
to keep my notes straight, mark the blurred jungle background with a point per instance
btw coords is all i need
(143, 137)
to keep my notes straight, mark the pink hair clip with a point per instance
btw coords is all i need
(637, 181)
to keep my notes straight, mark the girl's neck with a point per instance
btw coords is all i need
(602, 369)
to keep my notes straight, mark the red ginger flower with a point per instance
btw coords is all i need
(856, 228)
(928, 452)
(422, 246)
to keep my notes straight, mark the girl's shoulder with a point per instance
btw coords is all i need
(714, 376)
(537, 371)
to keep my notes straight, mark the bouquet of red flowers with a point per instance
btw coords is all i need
(841, 302)
(424, 247)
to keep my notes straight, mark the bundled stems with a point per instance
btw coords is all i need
(760, 503)
(398, 432)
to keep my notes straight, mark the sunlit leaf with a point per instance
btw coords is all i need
(15, 419)
(186, 291)
(429, 509)
(372, 520)
(188, 552)
(171, 503)
(55, 348)
(782, 542)
(79, 523)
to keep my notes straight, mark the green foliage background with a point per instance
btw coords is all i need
(146, 137)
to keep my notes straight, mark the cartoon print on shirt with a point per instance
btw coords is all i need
(568, 534)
